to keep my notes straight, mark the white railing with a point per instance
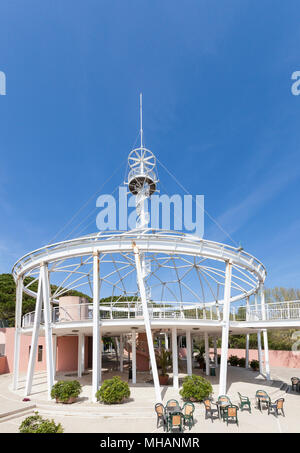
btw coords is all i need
(127, 310)
(273, 311)
(169, 310)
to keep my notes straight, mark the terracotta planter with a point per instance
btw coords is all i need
(163, 379)
(71, 400)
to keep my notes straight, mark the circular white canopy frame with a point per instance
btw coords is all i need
(181, 268)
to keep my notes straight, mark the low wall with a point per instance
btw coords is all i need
(3, 365)
(288, 359)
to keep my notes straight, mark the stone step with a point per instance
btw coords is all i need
(16, 413)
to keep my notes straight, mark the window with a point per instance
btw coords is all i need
(40, 353)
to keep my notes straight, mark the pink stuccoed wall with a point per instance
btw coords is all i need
(288, 359)
(24, 351)
(67, 353)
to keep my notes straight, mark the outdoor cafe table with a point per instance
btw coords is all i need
(171, 409)
(262, 399)
(221, 406)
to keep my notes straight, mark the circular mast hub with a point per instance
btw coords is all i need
(142, 176)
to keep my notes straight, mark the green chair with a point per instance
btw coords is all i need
(276, 407)
(172, 403)
(188, 410)
(159, 409)
(175, 421)
(209, 410)
(295, 384)
(230, 413)
(244, 402)
(262, 398)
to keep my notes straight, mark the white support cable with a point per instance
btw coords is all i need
(87, 202)
(85, 218)
(204, 210)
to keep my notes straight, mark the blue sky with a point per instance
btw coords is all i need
(218, 112)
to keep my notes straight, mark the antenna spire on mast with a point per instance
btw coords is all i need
(141, 118)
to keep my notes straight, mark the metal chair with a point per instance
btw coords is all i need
(188, 410)
(209, 411)
(172, 403)
(295, 384)
(230, 413)
(175, 421)
(276, 407)
(159, 409)
(244, 402)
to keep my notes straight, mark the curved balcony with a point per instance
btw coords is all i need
(279, 311)
(127, 310)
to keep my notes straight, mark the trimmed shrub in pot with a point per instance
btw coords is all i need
(37, 424)
(66, 391)
(233, 360)
(254, 364)
(163, 359)
(113, 391)
(195, 388)
(242, 362)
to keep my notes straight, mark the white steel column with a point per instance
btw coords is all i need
(18, 321)
(266, 354)
(247, 336)
(247, 351)
(133, 358)
(147, 321)
(188, 353)
(96, 327)
(48, 327)
(259, 352)
(265, 333)
(175, 358)
(80, 354)
(207, 364)
(166, 341)
(34, 337)
(215, 352)
(54, 354)
(121, 354)
(225, 330)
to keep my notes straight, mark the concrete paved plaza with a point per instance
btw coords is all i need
(138, 416)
